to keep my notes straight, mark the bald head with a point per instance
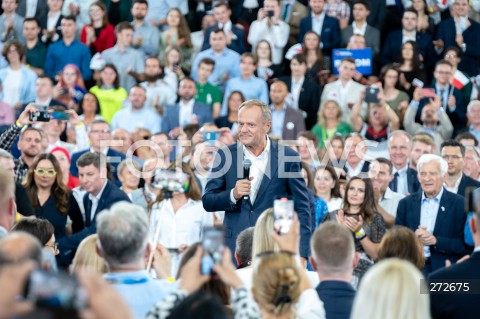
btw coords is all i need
(278, 93)
(8, 208)
(20, 246)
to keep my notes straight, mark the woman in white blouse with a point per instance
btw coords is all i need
(181, 219)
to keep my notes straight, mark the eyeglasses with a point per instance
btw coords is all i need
(45, 172)
(54, 246)
(100, 131)
(450, 56)
(453, 157)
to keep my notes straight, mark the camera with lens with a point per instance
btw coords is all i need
(170, 181)
(41, 115)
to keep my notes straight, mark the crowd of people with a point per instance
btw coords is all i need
(131, 130)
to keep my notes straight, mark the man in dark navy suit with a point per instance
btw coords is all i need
(356, 165)
(405, 179)
(334, 258)
(274, 173)
(460, 305)
(100, 194)
(99, 132)
(450, 97)
(392, 49)
(235, 35)
(463, 33)
(455, 181)
(327, 27)
(435, 215)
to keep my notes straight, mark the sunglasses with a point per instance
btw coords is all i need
(45, 172)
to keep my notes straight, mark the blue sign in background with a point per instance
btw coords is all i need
(362, 57)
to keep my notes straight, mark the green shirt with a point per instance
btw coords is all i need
(324, 135)
(36, 55)
(208, 94)
(110, 101)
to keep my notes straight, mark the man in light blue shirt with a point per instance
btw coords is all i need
(251, 86)
(137, 115)
(146, 37)
(226, 61)
(126, 258)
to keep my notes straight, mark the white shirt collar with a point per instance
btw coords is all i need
(266, 150)
(401, 171)
(320, 18)
(388, 194)
(457, 183)
(97, 198)
(406, 37)
(357, 30)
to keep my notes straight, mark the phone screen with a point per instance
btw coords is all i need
(213, 244)
(371, 94)
(428, 93)
(210, 137)
(55, 291)
(60, 116)
(282, 215)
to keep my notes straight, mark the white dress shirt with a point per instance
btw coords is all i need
(355, 171)
(357, 30)
(31, 8)
(454, 189)
(406, 37)
(186, 112)
(258, 169)
(185, 226)
(295, 91)
(389, 201)
(428, 215)
(317, 23)
(402, 182)
(95, 200)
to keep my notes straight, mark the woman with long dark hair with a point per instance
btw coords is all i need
(410, 67)
(47, 192)
(397, 99)
(318, 65)
(359, 214)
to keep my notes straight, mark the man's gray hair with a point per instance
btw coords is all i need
(5, 154)
(471, 104)
(400, 133)
(122, 234)
(244, 244)
(428, 158)
(266, 112)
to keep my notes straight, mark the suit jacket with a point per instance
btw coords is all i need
(297, 13)
(110, 153)
(171, 118)
(309, 99)
(293, 124)
(412, 181)
(40, 13)
(465, 183)
(239, 215)
(456, 305)
(330, 36)
(448, 228)
(377, 14)
(365, 167)
(354, 91)
(471, 37)
(458, 117)
(238, 39)
(58, 27)
(372, 38)
(337, 297)
(392, 49)
(83, 228)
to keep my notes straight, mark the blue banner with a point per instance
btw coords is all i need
(362, 57)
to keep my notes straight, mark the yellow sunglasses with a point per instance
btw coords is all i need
(45, 172)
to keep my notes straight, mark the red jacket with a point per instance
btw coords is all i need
(105, 40)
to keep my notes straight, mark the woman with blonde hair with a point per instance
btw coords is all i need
(86, 257)
(391, 290)
(264, 243)
(330, 122)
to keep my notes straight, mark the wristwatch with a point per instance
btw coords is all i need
(360, 234)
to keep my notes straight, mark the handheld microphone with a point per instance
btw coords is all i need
(246, 174)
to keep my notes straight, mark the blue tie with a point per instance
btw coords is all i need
(394, 183)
